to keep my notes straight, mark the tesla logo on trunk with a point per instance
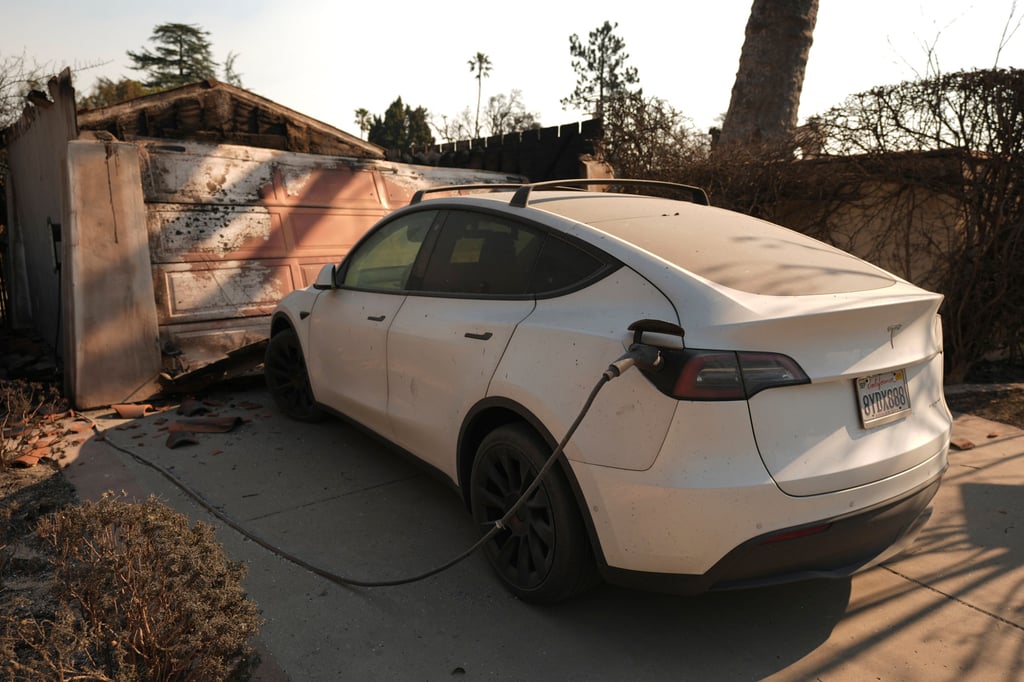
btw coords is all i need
(893, 328)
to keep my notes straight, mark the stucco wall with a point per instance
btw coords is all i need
(111, 344)
(37, 180)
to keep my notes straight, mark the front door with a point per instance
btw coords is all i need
(349, 325)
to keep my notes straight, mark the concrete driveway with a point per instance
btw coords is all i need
(951, 609)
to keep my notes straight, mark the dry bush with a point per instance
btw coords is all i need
(139, 595)
(976, 120)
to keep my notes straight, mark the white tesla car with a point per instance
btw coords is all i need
(794, 425)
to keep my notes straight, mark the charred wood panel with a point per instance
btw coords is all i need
(220, 113)
(193, 292)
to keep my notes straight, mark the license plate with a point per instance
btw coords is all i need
(883, 398)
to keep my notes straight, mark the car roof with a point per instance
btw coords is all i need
(728, 248)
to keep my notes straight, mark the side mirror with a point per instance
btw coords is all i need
(325, 279)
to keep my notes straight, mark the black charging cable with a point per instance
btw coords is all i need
(639, 355)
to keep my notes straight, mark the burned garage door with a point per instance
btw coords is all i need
(233, 229)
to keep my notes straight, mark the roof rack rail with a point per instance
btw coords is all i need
(418, 196)
(522, 195)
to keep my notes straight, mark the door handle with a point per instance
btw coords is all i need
(376, 318)
(479, 337)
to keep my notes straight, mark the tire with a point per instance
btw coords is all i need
(284, 369)
(544, 555)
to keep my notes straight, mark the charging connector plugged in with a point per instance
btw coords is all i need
(640, 355)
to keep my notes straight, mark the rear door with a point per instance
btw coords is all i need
(448, 337)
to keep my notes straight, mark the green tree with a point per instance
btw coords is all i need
(183, 54)
(106, 92)
(601, 70)
(363, 119)
(481, 64)
(401, 127)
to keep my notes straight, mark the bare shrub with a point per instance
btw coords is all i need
(140, 595)
(976, 119)
(644, 137)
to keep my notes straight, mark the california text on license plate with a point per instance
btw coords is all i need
(883, 398)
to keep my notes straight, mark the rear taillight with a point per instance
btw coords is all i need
(723, 375)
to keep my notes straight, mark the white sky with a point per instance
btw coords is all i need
(326, 58)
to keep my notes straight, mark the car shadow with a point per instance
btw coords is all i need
(343, 501)
(742, 634)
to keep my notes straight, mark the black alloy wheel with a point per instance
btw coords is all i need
(543, 554)
(284, 368)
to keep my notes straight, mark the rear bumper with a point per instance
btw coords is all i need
(831, 548)
(708, 495)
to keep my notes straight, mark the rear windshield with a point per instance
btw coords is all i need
(727, 248)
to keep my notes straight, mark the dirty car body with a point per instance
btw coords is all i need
(796, 428)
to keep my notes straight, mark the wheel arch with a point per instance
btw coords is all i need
(488, 415)
(279, 322)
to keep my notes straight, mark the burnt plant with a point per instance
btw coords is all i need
(139, 594)
(976, 120)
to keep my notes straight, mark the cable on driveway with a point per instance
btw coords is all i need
(613, 371)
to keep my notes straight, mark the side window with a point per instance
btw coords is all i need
(560, 266)
(385, 259)
(478, 254)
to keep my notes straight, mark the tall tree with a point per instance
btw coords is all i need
(481, 64)
(401, 127)
(601, 71)
(183, 54)
(766, 93)
(363, 119)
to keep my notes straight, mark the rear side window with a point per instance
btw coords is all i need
(384, 260)
(562, 265)
(479, 254)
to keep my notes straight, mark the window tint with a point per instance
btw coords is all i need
(560, 266)
(481, 254)
(385, 259)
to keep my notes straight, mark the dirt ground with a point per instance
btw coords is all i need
(984, 397)
(998, 406)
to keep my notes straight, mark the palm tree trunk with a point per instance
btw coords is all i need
(766, 93)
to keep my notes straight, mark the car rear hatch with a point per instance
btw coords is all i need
(874, 404)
